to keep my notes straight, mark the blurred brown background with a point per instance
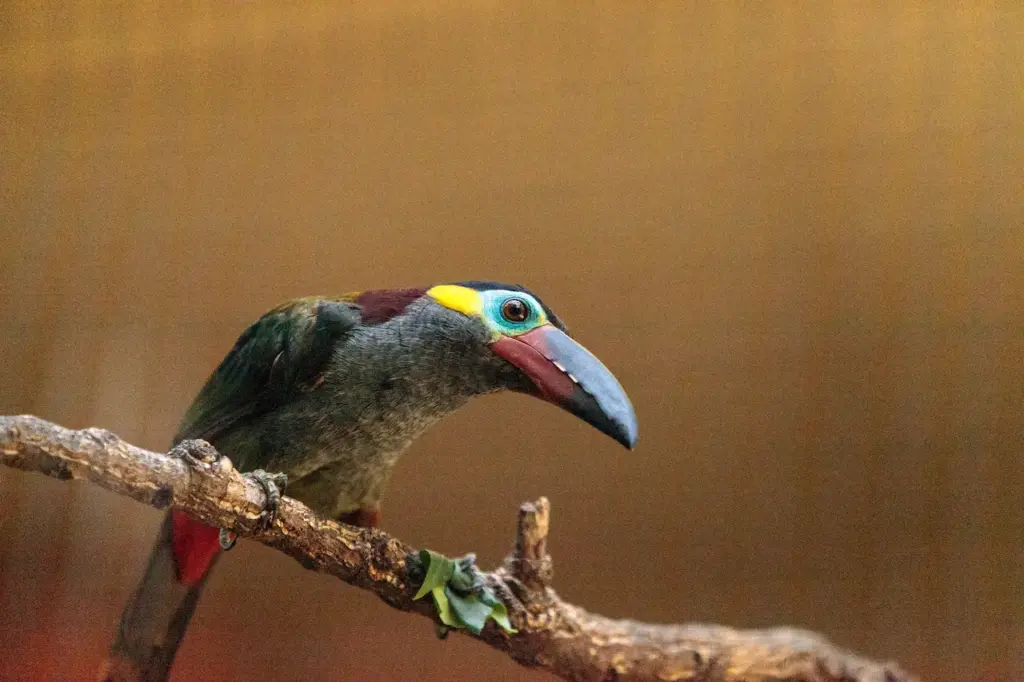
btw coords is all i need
(794, 230)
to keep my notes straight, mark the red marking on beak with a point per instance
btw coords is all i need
(565, 373)
(528, 353)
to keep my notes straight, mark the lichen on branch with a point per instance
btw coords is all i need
(550, 634)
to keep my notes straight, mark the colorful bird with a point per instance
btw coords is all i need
(330, 392)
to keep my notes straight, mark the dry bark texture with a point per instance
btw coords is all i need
(552, 635)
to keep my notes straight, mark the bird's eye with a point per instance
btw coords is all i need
(515, 310)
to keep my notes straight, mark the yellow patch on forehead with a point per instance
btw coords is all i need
(463, 299)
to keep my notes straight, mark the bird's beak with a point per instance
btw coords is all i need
(568, 375)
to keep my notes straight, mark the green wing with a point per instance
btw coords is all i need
(279, 355)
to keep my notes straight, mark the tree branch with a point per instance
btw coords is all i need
(552, 634)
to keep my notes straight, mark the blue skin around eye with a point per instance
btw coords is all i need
(493, 300)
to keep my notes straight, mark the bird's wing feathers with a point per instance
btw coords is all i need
(283, 352)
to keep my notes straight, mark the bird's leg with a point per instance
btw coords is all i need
(273, 488)
(364, 517)
(198, 453)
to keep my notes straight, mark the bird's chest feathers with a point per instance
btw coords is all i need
(369, 409)
(344, 460)
(363, 436)
(384, 387)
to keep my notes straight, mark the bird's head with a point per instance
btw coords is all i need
(538, 357)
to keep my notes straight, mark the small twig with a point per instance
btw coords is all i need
(552, 634)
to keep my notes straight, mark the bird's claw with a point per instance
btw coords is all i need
(227, 539)
(273, 486)
(196, 452)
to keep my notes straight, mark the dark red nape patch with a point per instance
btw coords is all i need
(381, 305)
(194, 545)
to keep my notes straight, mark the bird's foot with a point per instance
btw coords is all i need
(196, 453)
(273, 488)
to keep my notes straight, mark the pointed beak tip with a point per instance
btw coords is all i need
(568, 375)
(609, 412)
(627, 435)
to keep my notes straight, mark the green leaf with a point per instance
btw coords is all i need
(500, 615)
(471, 611)
(440, 570)
(487, 597)
(462, 580)
(447, 582)
(499, 612)
(444, 610)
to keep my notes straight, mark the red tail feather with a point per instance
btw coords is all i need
(194, 545)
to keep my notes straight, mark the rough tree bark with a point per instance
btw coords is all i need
(552, 635)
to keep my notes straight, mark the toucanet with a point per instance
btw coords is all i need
(330, 391)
